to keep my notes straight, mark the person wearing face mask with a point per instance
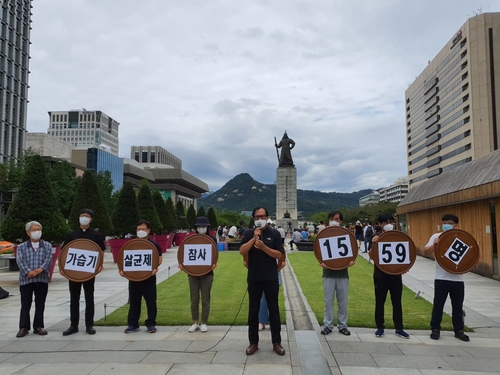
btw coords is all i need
(33, 258)
(201, 284)
(75, 288)
(384, 283)
(146, 288)
(263, 246)
(335, 282)
(446, 283)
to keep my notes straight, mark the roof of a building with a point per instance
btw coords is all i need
(475, 173)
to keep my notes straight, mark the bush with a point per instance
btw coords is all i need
(146, 207)
(126, 214)
(191, 217)
(171, 219)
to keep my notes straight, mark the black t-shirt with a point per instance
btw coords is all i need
(157, 245)
(262, 267)
(88, 234)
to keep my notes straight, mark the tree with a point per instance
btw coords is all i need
(212, 218)
(161, 208)
(146, 207)
(191, 217)
(201, 212)
(63, 180)
(87, 196)
(34, 201)
(105, 187)
(126, 214)
(172, 219)
(181, 216)
(251, 223)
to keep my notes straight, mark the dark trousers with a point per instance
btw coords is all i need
(203, 285)
(137, 290)
(75, 289)
(394, 285)
(40, 291)
(270, 289)
(456, 290)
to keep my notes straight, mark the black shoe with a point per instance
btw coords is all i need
(461, 336)
(345, 331)
(70, 331)
(435, 334)
(22, 332)
(326, 331)
(90, 330)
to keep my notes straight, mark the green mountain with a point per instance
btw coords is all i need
(243, 193)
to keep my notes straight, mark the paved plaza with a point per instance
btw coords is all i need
(172, 350)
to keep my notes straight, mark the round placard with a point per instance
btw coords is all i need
(137, 259)
(394, 253)
(197, 254)
(457, 251)
(336, 247)
(80, 260)
(281, 262)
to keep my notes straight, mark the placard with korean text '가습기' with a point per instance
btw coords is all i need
(80, 260)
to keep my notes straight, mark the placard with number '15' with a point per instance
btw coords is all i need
(197, 255)
(335, 247)
(394, 252)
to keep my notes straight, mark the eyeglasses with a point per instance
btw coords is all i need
(261, 217)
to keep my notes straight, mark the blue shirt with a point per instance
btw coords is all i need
(305, 235)
(29, 260)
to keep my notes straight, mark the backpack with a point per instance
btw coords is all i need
(220, 232)
(369, 231)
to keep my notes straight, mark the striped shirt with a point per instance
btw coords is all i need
(29, 260)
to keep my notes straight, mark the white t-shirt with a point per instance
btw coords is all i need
(282, 232)
(440, 273)
(233, 231)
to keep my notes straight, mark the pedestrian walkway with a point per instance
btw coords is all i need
(172, 350)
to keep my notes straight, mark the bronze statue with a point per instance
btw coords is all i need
(286, 144)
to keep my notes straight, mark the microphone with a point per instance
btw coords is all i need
(258, 225)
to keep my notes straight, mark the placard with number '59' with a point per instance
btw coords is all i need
(394, 252)
(335, 247)
(457, 251)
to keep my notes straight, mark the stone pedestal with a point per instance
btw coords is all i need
(286, 197)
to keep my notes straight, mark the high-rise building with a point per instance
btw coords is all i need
(85, 129)
(451, 107)
(15, 16)
(154, 155)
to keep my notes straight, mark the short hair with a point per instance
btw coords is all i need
(87, 211)
(451, 217)
(385, 217)
(333, 213)
(259, 208)
(321, 222)
(145, 222)
(30, 224)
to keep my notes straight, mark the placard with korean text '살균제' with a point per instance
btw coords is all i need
(80, 260)
(137, 259)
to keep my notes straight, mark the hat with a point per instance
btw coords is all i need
(202, 221)
(358, 222)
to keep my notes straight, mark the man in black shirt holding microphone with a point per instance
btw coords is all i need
(263, 246)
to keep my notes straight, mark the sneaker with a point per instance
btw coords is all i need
(151, 329)
(131, 329)
(403, 334)
(326, 331)
(345, 331)
(194, 327)
(203, 327)
(379, 332)
(435, 334)
(462, 336)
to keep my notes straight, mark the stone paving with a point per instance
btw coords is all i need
(172, 350)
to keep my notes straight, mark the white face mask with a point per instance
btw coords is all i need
(84, 220)
(201, 230)
(388, 227)
(334, 223)
(142, 234)
(260, 223)
(36, 235)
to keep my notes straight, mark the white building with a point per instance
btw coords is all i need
(371, 198)
(396, 192)
(46, 145)
(85, 129)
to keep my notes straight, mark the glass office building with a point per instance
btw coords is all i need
(100, 161)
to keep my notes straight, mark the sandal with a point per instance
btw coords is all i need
(345, 331)
(326, 331)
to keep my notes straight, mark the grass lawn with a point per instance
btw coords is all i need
(361, 307)
(229, 300)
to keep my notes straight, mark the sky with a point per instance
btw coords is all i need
(214, 81)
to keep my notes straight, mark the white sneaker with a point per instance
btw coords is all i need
(194, 327)
(203, 327)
